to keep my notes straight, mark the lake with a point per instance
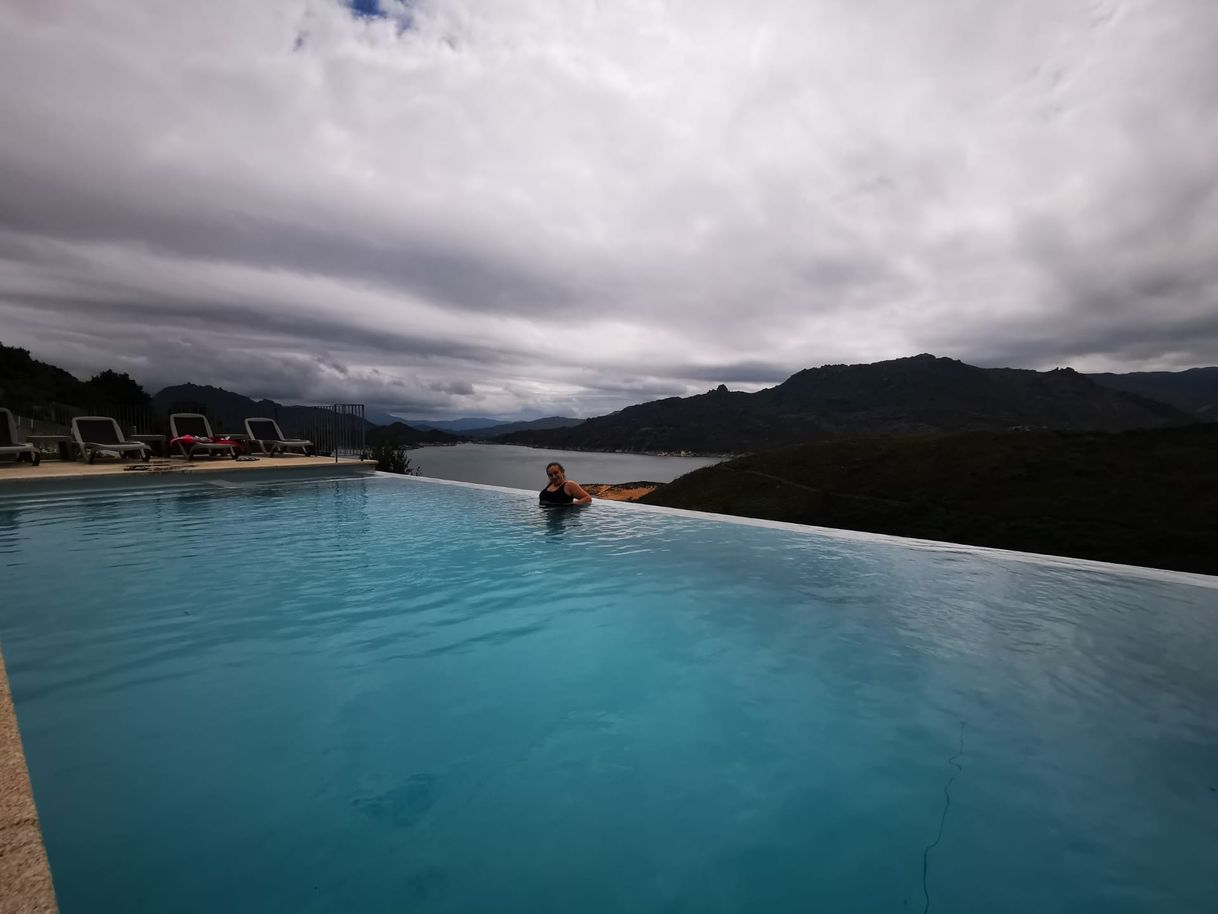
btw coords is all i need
(525, 467)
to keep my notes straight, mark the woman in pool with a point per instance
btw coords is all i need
(561, 490)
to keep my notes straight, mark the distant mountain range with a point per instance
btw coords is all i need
(488, 428)
(453, 425)
(916, 395)
(407, 435)
(1194, 390)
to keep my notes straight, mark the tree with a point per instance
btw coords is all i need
(117, 388)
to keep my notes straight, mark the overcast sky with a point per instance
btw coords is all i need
(533, 207)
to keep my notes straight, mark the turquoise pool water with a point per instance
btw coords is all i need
(401, 695)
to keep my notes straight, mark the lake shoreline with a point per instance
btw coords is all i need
(699, 455)
(519, 467)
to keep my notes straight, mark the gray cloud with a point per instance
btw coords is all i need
(520, 209)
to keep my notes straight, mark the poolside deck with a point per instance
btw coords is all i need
(16, 477)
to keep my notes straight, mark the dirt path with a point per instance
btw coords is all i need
(622, 491)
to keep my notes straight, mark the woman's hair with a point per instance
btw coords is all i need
(555, 463)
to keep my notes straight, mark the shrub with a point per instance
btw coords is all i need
(390, 457)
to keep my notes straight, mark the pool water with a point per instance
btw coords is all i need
(402, 695)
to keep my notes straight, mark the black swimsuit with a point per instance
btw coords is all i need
(559, 497)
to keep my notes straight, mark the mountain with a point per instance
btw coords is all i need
(403, 434)
(378, 416)
(453, 425)
(909, 396)
(488, 428)
(506, 428)
(1194, 391)
(228, 411)
(1140, 497)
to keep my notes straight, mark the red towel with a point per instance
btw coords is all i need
(191, 439)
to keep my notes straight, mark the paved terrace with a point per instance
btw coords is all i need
(52, 473)
(25, 877)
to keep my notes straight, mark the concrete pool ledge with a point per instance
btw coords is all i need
(53, 476)
(25, 875)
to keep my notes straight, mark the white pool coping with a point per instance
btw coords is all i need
(1068, 563)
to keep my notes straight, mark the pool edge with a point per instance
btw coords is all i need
(1065, 562)
(25, 872)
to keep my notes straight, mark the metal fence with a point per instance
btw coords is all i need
(336, 430)
(56, 418)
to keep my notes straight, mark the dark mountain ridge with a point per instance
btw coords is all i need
(456, 426)
(400, 433)
(916, 395)
(226, 410)
(487, 428)
(505, 428)
(1194, 390)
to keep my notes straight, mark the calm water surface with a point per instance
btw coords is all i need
(524, 467)
(405, 695)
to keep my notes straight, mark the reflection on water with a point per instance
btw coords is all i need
(560, 518)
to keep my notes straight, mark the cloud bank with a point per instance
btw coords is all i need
(521, 208)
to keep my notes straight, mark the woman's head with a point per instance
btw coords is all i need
(555, 470)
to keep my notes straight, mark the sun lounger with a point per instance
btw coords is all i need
(266, 433)
(101, 434)
(10, 446)
(191, 432)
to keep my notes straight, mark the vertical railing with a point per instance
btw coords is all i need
(133, 420)
(56, 418)
(336, 430)
(345, 427)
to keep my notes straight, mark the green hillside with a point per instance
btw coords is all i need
(1142, 497)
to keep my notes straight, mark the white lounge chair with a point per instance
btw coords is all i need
(101, 434)
(196, 426)
(10, 446)
(266, 434)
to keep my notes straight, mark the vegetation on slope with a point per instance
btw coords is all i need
(1142, 497)
(26, 382)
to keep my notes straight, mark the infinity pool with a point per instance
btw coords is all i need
(392, 694)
